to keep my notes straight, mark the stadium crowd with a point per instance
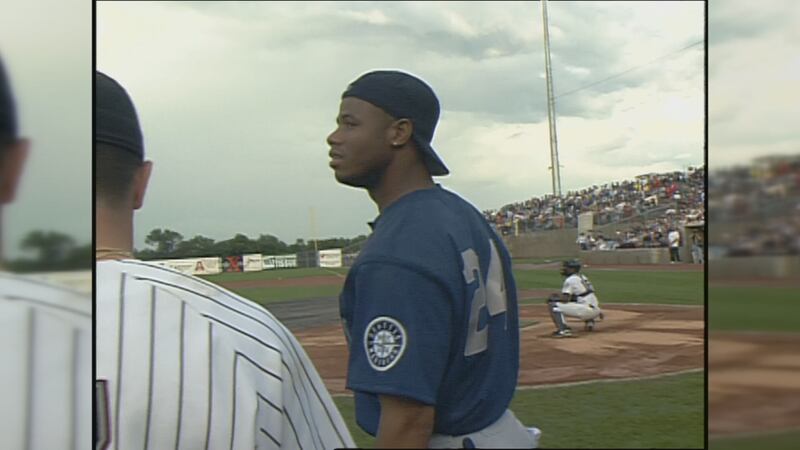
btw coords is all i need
(756, 208)
(659, 202)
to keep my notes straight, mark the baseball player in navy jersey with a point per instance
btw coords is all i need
(429, 307)
(180, 362)
(577, 299)
(45, 335)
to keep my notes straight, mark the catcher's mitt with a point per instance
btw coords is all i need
(554, 298)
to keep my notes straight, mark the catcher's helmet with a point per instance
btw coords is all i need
(570, 266)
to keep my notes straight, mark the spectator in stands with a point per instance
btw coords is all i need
(583, 241)
(601, 243)
(674, 237)
(646, 198)
(697, 247)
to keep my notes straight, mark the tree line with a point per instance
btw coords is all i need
(54, 251)
(169, 244)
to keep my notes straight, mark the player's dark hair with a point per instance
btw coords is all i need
(114, 170)
(8, 111)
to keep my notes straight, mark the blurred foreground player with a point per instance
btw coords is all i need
(181, 362)
(45, 335)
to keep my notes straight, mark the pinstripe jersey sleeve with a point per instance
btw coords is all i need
(45, 374)
(185, 364)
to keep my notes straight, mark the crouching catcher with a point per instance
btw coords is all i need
(577, 299)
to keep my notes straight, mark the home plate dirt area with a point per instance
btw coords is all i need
(752, 382)
(632, 341)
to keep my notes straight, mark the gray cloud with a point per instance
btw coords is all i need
(752, 68)
(736, 20)
(607, 148)
(512, 44)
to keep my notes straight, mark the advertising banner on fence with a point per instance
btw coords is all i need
(279, 261)
(192, 266)
(330, 258)
(232, 264)
(253, 263)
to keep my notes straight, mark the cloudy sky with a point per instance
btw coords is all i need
(754, 71)
(236, 99)
(46, 46)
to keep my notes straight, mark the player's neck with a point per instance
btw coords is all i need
(113, 233)
(399, 180)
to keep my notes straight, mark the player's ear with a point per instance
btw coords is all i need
(11, 164)
(400, 132)
(140, 181)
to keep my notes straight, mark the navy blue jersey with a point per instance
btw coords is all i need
(430, 312)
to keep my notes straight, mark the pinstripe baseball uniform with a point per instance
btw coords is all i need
(46, 349)
(183, 363)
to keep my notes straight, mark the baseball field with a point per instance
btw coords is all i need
(754, 390)
(636, 381)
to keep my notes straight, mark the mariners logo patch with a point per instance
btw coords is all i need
(384, 342)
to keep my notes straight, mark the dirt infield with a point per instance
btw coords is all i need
(753, 383)
(633, 340)
(752, 387)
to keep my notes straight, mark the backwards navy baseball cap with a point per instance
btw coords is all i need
(116, 122)
(8, 111)
(404, 96)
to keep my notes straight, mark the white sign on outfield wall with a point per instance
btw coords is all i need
(193, 266)
(279, 261)
(253, 263)
(330, 258)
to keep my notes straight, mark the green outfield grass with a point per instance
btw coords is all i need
(777, 441)
(685, 288)
(665, 412)
(278, 274)
(267, 295)
(612, 286)
(752, 308)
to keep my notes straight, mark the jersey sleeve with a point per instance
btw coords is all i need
(400, 333)
(571, 286)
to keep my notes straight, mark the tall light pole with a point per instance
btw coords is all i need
(551, 108)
